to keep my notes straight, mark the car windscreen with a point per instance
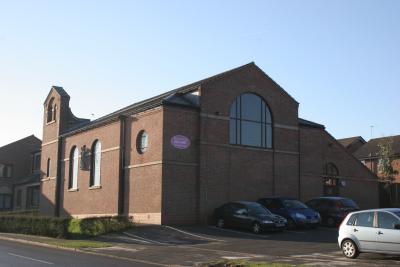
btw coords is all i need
(348, 203)
(258, 209)
(293, 204)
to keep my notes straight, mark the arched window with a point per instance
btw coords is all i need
(51, 110)
(331, 180)
(250, 122)
(142, 142)
(95, 172)
(48, 167)
(73, 168)
(331, 170)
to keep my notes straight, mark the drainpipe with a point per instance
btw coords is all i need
(121, 188)
(299, 181)
(58, 179)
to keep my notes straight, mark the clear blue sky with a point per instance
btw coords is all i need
(339, 59)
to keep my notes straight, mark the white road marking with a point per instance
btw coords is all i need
(145, 239)
(236, 258)
(134, 239)
(31, 259)
(260, 236)
(198, 236)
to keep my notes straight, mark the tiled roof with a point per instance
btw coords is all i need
(310, 124)
(176, 96)
(370, 149)
(348, 141)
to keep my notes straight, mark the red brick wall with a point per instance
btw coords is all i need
(87, 201)
(317, 148)
(143, 183)
(180, 168)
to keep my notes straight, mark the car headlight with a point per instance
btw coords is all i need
(267, 221)
(300, 216)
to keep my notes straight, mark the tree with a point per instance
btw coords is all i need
(385, 167)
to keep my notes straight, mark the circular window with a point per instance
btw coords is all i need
(142, 142)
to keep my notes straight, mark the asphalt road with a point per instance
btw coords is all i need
(21, 255)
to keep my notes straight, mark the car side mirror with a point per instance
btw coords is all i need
(397, 226)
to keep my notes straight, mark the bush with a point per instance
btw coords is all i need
(62, 228)
(97, 226)
(34, 225)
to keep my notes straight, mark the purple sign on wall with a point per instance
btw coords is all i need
(180, 142)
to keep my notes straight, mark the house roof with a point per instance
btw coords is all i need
(346, 142)
(371, 149)
(31, 137)
(310, 124)
(177, 96)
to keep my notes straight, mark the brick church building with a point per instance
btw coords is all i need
(175, 157)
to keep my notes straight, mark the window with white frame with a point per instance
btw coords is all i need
(73, 168)
(95, 170)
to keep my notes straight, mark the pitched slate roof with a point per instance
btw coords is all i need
(177, 96)
(350, 140)
(30, 138)
(310, 124)
(370, 149)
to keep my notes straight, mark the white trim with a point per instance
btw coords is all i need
(110, 149)
(226, 118)
(250, 148)
(49, 143)
(83, 216)
(102, 151)
(161, 163)
(287, 127)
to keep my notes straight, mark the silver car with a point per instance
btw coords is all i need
(370, 231)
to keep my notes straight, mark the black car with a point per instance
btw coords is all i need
(249, 215)
(333, 210)
(295, 212)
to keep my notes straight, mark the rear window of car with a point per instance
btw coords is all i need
(352, 219)
(348, 203)
(397, 213)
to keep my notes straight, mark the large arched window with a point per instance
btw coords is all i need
(73, 168)
(250, 122)
(96, 164)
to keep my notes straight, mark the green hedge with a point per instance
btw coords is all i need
(62, 228)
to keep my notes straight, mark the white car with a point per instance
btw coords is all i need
(375, 231)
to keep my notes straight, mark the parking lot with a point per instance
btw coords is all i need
(196, 245)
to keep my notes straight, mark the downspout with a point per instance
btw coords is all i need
(121, 188)
(299, 181)
(58, 180)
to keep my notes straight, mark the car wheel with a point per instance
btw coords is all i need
(220, 223)
(291, 225)
(256, 228)
(349, 249)
(330, 222)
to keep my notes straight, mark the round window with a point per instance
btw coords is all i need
(142, 142)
